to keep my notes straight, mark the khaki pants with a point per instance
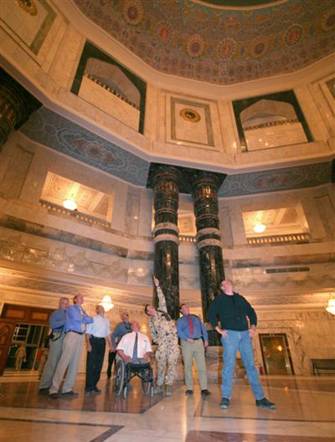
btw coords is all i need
(55, 351)
(194, 350)
(71, 351)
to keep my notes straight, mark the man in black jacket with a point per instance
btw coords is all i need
(235, 319)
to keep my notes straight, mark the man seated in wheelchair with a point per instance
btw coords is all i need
(135, 348)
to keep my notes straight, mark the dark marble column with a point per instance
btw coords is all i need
(204, 191)
(16, 104)
(164, 181)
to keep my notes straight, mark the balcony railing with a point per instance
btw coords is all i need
(275, 240)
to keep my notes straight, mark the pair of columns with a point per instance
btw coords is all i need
(167, 182)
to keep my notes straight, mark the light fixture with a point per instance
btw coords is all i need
(331, 305)
(70, 204)
(107, 303)
(259, 228)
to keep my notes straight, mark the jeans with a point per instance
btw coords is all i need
(233, 342)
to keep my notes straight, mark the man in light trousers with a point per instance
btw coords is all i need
(194, 339)
(75, 327)
(56, 338)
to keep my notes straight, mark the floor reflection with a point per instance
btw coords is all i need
(26, 395)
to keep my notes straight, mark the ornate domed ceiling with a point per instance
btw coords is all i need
(213, 41)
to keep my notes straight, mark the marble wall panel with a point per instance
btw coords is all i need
(274, 136)
(28, 22)
(133, 211)
(108, 102)
(309, 333)
(191, 121)
(327, 214)
(16, 167)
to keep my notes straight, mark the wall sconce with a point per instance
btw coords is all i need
(107, 303)
(331, 305)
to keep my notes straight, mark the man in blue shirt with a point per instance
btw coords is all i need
(56, 323)
(75, 326)
(194, 339)
(120, 330)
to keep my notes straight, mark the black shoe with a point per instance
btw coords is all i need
(265, 403)
(70, 394)
(43, 391)
(225, 402)
(88, 391)
(96, 390)
(205, 393)
(189, 392)
(54, 395)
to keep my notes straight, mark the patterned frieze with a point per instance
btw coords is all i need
(58, 133)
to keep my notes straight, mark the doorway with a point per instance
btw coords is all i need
(276, 354)
(24, 350)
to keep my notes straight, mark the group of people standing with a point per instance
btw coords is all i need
(230, 314)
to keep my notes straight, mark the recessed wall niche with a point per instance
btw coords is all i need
(270, 121)
(109, 86)
(277, 225)
(59, 191)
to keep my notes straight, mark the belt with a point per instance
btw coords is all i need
(96, 337)
(74, 331)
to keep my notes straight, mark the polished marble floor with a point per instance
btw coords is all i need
(305, 413)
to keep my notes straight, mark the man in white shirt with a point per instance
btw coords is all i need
(97, 334)
(135, 347)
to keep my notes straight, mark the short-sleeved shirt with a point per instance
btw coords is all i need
(100, 327)
(128, 341)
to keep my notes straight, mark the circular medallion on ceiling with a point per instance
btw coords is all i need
(195, 45)
(293, 35)
(163, 32)
(328, 20)
(133, 11)
(227, 48)
(190, 115)
(28, 5)
(258, 47)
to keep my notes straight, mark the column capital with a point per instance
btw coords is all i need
(16, 105)
(161, 175)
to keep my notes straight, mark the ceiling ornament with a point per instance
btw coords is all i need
(195, 46)
(133, 11)
(227, 48)
(28, 6)
(293, 35)
(259, 47)
(163, 32)
(190, 115)
(328, 20)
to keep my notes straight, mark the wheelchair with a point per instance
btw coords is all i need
(125, 372)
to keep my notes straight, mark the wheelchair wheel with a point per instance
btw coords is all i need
(119, 379)
(147, 383)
